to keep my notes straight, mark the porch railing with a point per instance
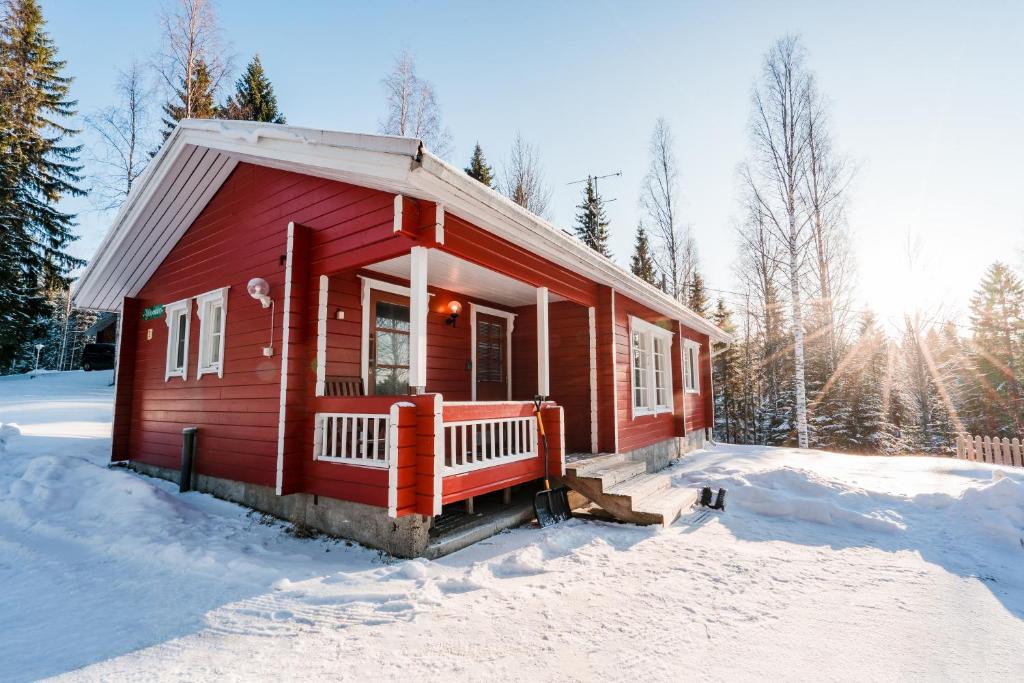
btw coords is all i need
(476, 444)
(352, 438)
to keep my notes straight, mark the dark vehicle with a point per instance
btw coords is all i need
(98, 357)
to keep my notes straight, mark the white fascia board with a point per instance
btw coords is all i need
(510, 221)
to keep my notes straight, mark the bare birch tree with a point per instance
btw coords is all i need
(125, 134)
(192, 38)
(776, 176)
(675, 250)
(522, 178)
(412, 107)
(824, 193)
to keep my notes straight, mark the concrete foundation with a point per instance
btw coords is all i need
(660, 455)
(406, 536)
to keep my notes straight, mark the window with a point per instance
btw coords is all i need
(490, 345)
(652, 367)
(389, 368)
(691, 366)
(212, 308)
(178, 315)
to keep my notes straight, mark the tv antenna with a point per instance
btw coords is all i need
(594, 179)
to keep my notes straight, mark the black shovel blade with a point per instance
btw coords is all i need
(552, 506)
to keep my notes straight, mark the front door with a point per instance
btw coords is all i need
(389, 344)
(491, 358)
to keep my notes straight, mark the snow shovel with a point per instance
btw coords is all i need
(551, 505)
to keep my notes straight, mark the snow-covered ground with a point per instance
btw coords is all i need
(824, 567)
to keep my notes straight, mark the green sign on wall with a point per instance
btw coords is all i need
(152, 312)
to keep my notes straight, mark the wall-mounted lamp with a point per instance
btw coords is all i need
(259, 289)
(454, 308)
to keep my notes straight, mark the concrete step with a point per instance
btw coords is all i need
(611, 475)
(578, 468)
(641, 486)
(667, 505)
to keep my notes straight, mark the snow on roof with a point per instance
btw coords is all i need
(199, 156)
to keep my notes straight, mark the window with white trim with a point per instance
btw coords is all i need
(178, 317)
(651, 377)
(691, 366)
(212, 309)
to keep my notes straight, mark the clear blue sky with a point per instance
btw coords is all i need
(927, 99)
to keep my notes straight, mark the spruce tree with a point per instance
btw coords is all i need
(591, 221)
(997, 319)
(478, 168)
(38, 167)
(642, 263)
(697, 299)
(726, 371)
(874, 395)
(203, 106)
(253, 99)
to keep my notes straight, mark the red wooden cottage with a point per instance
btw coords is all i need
(357, 329)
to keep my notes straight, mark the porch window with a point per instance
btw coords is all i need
(178, 315)
(651, 371)
(691, 366)
(212, 308)
(390, 345)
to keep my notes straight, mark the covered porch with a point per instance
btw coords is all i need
(426, 369)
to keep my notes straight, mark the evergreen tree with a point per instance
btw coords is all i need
(727, 384)
(697, 298)
(38, 167)
(591, 222)
(642, 263)
(478, 167)
(254, 98)
(203, 106)
(873, 396)
(996, 318)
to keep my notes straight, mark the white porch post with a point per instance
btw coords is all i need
(543, 376)
(419, 302)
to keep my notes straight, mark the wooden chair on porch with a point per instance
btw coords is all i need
(344, 386)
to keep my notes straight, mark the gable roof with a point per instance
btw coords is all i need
(199, 156)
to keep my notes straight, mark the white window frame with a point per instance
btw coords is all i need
(691, 366)
(203, 303)
(172, 312)
(650, 335)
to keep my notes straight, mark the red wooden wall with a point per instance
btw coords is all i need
(239, 235)
(569, 372)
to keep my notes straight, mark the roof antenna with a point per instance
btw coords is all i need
(594, 179)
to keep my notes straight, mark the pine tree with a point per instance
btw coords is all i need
(203, 106)
(997, 319)
(591, 222)
(697, 298)
(38, 167)
(642, 263)
(254, 98)
(478, 167)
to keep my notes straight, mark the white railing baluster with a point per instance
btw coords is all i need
(355, 439)
(488, 442)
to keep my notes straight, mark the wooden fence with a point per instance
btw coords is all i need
(990, 449)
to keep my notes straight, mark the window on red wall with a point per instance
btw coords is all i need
(651, 375)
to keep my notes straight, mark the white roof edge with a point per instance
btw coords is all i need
(432, 175)
(609, 272)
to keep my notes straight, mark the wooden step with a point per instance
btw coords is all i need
(641, 486)
(578, 468)
(668, 505)
(610, 475)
